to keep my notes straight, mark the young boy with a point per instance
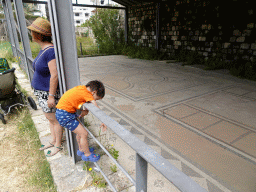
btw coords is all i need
(73, 100)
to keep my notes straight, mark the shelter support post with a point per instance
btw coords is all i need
(11, 26)
(24, 38)
(157, 26)
(126, 27)
(64, 40)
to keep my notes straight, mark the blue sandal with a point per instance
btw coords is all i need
(93, 157)
(80, 153)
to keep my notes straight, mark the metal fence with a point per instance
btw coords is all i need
(84, 49)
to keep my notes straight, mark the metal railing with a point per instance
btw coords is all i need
(144, 155)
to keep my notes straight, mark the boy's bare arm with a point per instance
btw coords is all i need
(103, 126)
(83, 113)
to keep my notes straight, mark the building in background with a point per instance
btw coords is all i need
(81, 14)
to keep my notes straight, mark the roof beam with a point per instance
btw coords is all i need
(124, 2)
(75, 4)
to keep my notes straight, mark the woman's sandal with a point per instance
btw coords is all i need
(43, 147)
(80, 153)
(49, 153)
(93, 157)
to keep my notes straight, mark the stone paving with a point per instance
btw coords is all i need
(203, 122)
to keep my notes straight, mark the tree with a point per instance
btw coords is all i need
(30, 9)
(106, 27)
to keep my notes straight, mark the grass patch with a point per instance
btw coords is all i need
(6, 52)
(189, 57)
(35, 48)
(21, 157)
(140, 52)
(88, 46)
(40, 173)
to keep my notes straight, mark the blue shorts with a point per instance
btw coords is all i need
(66, 119)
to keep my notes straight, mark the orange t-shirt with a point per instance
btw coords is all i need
(74, 98)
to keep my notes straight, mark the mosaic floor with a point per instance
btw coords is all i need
(203, 122)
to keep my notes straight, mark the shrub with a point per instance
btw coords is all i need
(105, 25)
(244, 69)
(215, 62)
(190, 57)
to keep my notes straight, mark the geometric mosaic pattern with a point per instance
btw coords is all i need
(206, 183)
(227, 131)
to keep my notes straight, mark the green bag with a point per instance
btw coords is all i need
(4, 66)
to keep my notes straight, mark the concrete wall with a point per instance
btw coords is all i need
(198, 25)
(83, 30)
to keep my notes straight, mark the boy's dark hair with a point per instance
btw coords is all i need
(97, 86)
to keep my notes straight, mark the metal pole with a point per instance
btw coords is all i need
(63, 30)
(81, 49)
(157, 26)
(126, 26)
(109, 155)
(11, 26)
(24, 37)
(141, 174)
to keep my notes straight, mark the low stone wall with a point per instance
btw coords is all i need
(83, 31)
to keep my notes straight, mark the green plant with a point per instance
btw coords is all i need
(244, 69)
(113, 152)
(98, 181)
(86, 123)
(140, 52)
(189, 57)
(105, 25)
(113, 168)
(181, 55)
(194, 57)
(86, 166)
(35, 48)
(215, 62)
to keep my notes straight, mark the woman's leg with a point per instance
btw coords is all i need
(56, 131)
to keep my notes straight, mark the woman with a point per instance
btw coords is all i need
(45, 81)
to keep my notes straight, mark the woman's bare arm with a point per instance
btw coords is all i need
(53, 82)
